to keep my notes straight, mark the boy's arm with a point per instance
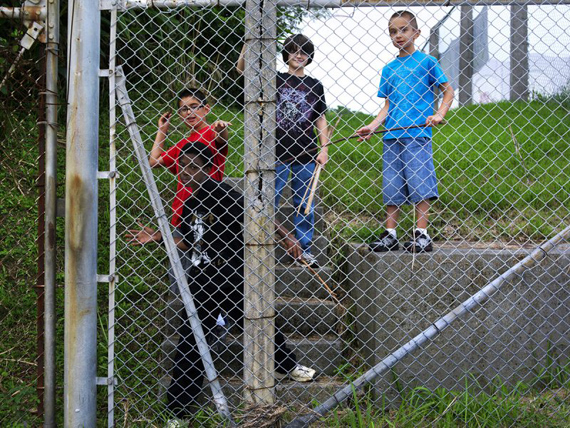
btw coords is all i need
(146, 235)
(288, 241)
(324, 138)
(155, 157)
(240, 66)
(220, 127)
(366, 131)
(448, 94)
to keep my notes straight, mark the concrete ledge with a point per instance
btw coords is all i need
(397, 295)
(286, 391)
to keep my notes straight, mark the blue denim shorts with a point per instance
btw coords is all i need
(408, 171)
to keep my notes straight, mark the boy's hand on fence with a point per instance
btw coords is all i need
(292, 247)
(164, 123)
(365, 132)
(142, 236)
(434, 120)
(323, 158)
(220, 125)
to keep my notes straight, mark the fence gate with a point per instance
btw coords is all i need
(380, 329)
(501, 162)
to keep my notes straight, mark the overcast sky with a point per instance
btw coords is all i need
(352, 45)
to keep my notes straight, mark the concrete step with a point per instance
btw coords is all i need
(297, 281)
(307, 317)
(298, 316)
(286, 391)
(322, 354)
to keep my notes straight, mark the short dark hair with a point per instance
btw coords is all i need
(193, 93)
(199, 149)
(297, 42)
(406, 14)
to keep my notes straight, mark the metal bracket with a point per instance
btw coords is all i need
(107, 174)
(106, 381)
(31, 35)
(111, 4)
(104, 72)
(34, 12)
(34, 31)
(107, 278)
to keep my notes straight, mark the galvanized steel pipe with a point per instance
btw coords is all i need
(259, 190)
(52, 48)
(81, 194)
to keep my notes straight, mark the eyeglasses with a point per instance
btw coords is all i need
(192, 108)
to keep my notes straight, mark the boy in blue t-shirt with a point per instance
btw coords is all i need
(408, 84)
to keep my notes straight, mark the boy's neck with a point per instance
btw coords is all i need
(407, 52)
(299, 72)
(198, 127)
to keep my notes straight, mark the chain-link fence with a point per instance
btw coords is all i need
(22, 184)
(501, 162)
(345, 298)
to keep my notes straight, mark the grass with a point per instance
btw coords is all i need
(498, 405)
(489, 193)
(495, 405)
(485, 192)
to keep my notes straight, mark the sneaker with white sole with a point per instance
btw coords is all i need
(420, 243)
(308, 259)
(302, 374)
(299, 373)
(385, 242)
(176, 423)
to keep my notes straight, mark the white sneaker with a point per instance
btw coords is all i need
(176, 423)
(309, 259)
(302, 374)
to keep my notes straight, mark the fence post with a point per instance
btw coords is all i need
(259, 167)
(51, 52)
(519, 53)
(466, 56)
(81, 192)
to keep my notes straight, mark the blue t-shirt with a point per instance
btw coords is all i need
(408, 83)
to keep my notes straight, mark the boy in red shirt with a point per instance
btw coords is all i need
(193, 108)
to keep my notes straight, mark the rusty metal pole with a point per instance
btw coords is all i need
(51, 61)
(81, 191)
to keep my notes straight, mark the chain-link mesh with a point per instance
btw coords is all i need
(501, 162)
(21, 250)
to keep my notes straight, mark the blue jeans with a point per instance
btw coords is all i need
(408, 171)
(301, 176)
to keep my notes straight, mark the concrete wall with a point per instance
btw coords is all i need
(396, 295)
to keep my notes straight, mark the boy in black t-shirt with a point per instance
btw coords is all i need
(301, 109)
(212, 232)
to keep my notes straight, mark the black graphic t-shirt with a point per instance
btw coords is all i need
(300, 102)
(212, 227)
